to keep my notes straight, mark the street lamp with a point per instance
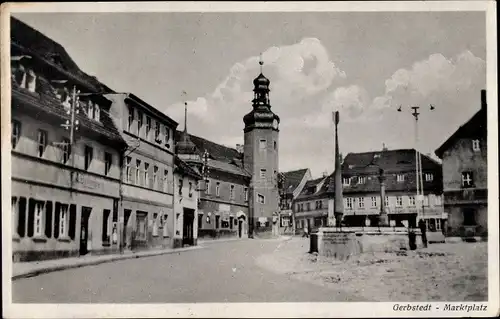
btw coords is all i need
(418, 161)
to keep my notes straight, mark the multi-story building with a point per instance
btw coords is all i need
(465, 176)
(147, 190)
(65, 178)
(185, 230)
(311, 205)
(261, 144)
(292, 184)
(361, 188)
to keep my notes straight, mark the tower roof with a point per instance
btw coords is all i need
(185, 145)
(261, 82)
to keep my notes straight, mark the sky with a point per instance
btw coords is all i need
(363, 64)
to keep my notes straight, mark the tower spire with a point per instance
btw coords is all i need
(261, 62)
(185, 116)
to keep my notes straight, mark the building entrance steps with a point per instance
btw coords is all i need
(29, 269)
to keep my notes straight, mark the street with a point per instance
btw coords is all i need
(221, 272)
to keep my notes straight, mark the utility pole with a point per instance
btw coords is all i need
(418, 164)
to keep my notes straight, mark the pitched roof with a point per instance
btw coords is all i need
(393, 162)
(293, 179)
(310, 190)
(475, 127)
(27, 40)
(185, 168)
(216, 151)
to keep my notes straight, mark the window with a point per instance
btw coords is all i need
(66, 150)
(31, 81)
(246, 194)
(130, 117)
(476, 146)
(208, 186)
(167, 134)
(467, 179)
(275, 145)
(146, 174)
(308, 206)
(361, 180)
(148, 126)
(157, 132)
(400, 178)
(411, 200)
(155, 224)
(89, 154)
(155, 177)
(90, 111)
(386, 201)
(429, 177)
(137, 172)
(108, 161)
(426, 200)
(231, 192)
(261, 199)
(165, 180)
(399, 201)
(346, 181)
(165, 228)
(63, 220)
(139, 122)
(262, 173)
(374, 201)
(190, 189)
(97, 113)
(349, 203)
(16, 133)
(217, 189)
(38, 218)
(317, 204)
(180, 186)
(361, 202)
(437, 200)
(128, 169)
(42, 142)
(262, 144)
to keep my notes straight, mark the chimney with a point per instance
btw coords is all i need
(325, 174)
(483, 100)
(384, 147)
(239, 148)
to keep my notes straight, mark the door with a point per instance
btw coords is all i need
(217, 221)
(240, 227)
(187, 229)
(84, 230)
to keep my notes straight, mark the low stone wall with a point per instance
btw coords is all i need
(342, 244)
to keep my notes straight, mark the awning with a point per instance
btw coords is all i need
(241, 214)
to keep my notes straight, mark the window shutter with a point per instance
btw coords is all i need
(72, 221)
(21, 224)
(31, 217)
(48, 219)
(56, 220)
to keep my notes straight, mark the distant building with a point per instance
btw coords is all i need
(293, 183)
(311, 205)
(465, 176)
(361, 188)
(147, 172)
(60, 208)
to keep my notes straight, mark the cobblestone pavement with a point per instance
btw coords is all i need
(221, 272)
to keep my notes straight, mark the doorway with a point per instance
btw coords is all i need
(240, 227)
(84, 230)
(217, 221)
(187, 229)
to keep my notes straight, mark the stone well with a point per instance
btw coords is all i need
(343, 243)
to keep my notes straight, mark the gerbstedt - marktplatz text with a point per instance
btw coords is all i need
(465, 307)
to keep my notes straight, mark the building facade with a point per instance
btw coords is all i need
(361, 189)
(261, 160)
(223, 190)
(465, 176)
(65, 192)
(147, 177)
(185, 230)
(291, 186)
(311, 205)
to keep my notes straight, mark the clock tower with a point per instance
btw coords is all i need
(261, 146)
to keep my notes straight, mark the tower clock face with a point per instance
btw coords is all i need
(275, 124)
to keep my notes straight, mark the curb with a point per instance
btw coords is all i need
(455, 240)
(36, 272)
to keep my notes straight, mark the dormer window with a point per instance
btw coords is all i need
(157, 132)
(346, 181)
(97, 112)
(476, 146)
(130, 117)
(361, 179)
(400, 178)
(90, 110)
(429, 177)
(31, 81)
